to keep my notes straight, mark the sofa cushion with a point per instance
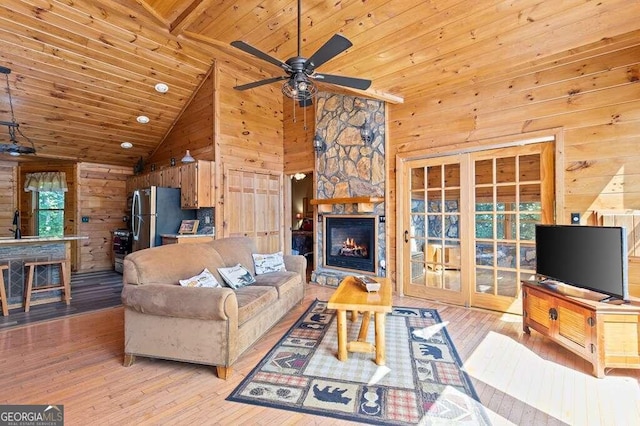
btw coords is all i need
(253, 299)
(203, 279)
(171, 263)
(234, 250)
(282, 281)
(236, 276)
(266, 263)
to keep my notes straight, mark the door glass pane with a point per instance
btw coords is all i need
(484, 172)
(434, 177)
(484, 280)
(529, 167)
(484, 253)
(417, 202)
(434, 200)
(505, 226)
(506, 255)
(417, 266)
(417, 178)
(505, 169)
(508, 284)
(451, 175)
(484, 225)
(506, 198)
(528, 257)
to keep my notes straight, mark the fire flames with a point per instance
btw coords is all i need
(351, 248)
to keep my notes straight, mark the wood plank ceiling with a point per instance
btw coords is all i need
(82, 71)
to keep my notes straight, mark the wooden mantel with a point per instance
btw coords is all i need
(365, 204)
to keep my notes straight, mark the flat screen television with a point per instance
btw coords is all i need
(590, 257)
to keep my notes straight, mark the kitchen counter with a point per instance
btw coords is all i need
(186, 238)
(15, 252)
(35, 239)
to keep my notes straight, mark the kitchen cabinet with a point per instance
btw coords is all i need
(604, 334)
(197, 184)
(196, 181)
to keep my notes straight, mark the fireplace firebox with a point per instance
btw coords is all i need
(350, 242)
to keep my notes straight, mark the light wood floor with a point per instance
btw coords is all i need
(76, 361)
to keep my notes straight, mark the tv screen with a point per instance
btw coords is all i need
(590, 257)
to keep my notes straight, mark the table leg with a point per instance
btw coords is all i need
(380, 339)
(342, 335)
(364, 327)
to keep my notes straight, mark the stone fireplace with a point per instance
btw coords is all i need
(348, 171)
(350, 243)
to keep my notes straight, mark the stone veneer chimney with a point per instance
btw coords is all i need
(349, 167)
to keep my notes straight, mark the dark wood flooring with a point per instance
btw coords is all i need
(90, 291)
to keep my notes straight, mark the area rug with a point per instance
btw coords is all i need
(421, 383)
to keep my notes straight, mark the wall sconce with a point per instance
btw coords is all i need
(319, 144)
(366, 132)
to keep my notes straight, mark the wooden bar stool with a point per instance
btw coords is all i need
(64, 284)
(3, 293)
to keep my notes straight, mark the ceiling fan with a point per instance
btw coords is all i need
(302, 71)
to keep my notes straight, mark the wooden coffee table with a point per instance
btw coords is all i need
(350, 296)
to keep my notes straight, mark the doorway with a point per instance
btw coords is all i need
(302, 218)
(469, 224)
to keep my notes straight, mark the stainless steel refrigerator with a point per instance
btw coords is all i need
(155, 211)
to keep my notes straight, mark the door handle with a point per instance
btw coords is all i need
(406, 236)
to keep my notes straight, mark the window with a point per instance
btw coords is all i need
(49, 213)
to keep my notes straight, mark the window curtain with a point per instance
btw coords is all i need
(46, 181)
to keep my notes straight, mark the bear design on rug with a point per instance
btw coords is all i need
(335, 395)
(429, 350)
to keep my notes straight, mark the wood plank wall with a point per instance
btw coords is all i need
(592, 93)
(193, 130)
(8, 196)
(102, 197)
(239, 130)
(298, 140)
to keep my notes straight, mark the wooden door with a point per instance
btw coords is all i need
(253, 207)
(432, 244)
(512, 191)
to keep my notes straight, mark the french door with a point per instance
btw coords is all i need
(469, 222)
(433, 244)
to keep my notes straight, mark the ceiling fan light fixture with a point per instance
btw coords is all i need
(299, 89)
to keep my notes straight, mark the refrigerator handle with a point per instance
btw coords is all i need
(135, 215)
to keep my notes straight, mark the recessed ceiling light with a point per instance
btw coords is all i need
(126, 145)
(142, 119)
(162, 88)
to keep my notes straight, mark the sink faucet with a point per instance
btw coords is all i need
(16, 225)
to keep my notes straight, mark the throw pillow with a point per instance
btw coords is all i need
(265, 263)
(236, 276)
(203, 279)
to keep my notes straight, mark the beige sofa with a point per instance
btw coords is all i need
(211, 326)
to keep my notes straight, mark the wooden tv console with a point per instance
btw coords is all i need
(605, 334)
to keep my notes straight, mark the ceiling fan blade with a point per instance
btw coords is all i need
(333, 47)
(356, 83)
(260, 83)
(259, 54)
